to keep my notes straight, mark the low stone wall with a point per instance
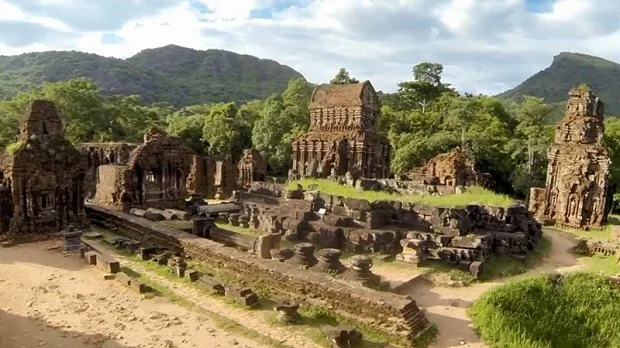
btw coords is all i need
(395, 315)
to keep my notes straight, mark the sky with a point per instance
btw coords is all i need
(486, 46)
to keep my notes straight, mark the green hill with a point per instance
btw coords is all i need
(569, 70)
(174, 74)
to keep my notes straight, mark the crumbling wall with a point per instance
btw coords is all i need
(198, 182)
(397, 316)
(112, 190)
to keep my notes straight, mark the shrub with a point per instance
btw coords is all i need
(577, 310)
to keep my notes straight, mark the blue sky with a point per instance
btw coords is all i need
(486, 46)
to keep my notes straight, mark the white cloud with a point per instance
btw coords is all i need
(485, 46)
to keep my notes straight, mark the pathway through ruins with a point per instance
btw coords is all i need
(447, 307)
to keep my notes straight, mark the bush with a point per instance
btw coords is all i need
(577, 310)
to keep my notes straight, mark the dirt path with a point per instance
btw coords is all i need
(244, 317)
(447, 307)
(48, 300)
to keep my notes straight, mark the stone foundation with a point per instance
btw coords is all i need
(396, 316)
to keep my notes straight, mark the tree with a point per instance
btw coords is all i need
(531, 139)
(221, 131)
(343, 78)
(425, 87)
(188, 126)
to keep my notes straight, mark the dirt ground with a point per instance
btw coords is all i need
(447, 307)
(49, 300)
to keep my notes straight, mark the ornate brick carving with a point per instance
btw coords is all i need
(341, 137)
(578, 172)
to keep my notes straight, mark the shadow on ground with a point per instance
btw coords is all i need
(47, 253)
(17, 331)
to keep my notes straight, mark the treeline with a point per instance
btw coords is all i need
(423, 118)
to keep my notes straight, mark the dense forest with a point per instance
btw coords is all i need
(423, 118)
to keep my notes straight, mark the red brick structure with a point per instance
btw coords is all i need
(42, 176)
(342, 136)
(578, 172)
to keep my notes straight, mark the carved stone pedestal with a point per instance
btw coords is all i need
(329, 261)
(303, 255)
(287, 312)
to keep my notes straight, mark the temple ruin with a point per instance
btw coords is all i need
(452, 168)
(342, 136)
(578, 172)
(160, 172)
(252, 167)
(42, 176)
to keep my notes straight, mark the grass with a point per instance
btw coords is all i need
(13, 147)
(579, 310)
(472, 195)
(238, 229)
(606, 265)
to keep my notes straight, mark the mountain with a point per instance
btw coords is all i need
(174, 74)
(568, 70)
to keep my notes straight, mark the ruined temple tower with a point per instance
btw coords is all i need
(577, 176)
(342, 136)
(42, 176)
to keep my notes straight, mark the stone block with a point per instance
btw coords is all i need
(91, 257)
(266, 243)
(192, 275)
(243, 296)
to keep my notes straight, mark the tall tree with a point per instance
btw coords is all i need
(425, 87)
(531, 139)
(343, 78)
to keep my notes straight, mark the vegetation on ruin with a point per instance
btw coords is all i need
(176, 75)
(472, 195)
(578, 310)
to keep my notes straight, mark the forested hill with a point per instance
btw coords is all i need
(569, 70)
(177, 75)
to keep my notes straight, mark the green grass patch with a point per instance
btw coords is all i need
(13, 147)
(238, 229)
(472, 195)
(606, 265)
(595, 235)
(503, 266)
(579, 310)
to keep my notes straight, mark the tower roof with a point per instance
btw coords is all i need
(329, 95)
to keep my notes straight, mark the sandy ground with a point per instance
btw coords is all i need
(49, 300)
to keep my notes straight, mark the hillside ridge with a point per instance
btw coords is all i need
(178, 75)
